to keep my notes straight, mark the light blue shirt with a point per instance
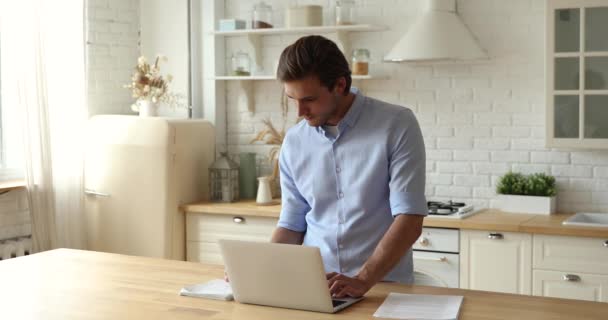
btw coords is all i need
(345, 191)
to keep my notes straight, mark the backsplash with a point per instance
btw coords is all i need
(480, 119)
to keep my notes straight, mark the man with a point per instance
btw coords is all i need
(352, 174)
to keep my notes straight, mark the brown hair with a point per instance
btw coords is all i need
(314, 56)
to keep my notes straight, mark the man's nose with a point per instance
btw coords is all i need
(302, 111)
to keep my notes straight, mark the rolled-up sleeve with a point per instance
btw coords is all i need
(294, 206)
(407, 167)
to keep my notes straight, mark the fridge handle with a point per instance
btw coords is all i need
(95, 193)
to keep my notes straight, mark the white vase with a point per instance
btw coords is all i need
(526, 204)
(147, 108)
(264, 192)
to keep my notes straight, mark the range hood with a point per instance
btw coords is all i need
(439, 34)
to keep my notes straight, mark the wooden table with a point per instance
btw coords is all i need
(74, 284)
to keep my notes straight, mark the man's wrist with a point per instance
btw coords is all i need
(366, 277)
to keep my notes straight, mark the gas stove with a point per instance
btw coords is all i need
(450, 209)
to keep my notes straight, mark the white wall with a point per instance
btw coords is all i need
(479, 119)
(112, 38)
(164, 31)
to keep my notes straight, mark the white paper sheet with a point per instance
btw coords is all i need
(217, 289)
(419, 306)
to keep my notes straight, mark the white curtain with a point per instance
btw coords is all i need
(43, 79)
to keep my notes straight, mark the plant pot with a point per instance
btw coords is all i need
(147, 108)
(526, 204)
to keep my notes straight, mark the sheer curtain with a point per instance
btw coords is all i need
(43, 77)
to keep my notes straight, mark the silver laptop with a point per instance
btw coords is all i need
(279, 275)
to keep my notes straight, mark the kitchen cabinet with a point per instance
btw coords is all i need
(496, 261)
(203, 231)
(570, 267)
(577, 73)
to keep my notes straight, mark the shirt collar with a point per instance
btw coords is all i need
(350, 118)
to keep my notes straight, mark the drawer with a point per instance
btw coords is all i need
(212, 227)
(438, 239)
(586, 255)
(204, 252)
(570, 285)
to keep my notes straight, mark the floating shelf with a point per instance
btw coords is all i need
(266, 77)
(300, 30)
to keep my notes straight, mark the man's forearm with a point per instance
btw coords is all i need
(399, 238)
(283, 235)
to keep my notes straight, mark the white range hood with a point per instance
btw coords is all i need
(439, 34)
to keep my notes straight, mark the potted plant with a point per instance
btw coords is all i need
(520, 193)
(150, 88)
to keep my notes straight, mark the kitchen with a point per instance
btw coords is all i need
(516, 104)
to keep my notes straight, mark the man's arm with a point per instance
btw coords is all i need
(399, 238)
(284, 235)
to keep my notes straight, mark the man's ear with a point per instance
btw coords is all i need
(340, 86)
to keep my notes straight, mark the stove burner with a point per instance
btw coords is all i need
(444, 208)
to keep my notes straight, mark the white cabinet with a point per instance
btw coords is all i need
(570, 267)
(577, 73)
(204, 230)
(496, 261)
(579, 286)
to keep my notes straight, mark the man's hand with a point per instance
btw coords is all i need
(341, 286)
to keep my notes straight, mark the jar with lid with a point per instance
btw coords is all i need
(360, 62)
(241, 64)
(345, 12)
(262, 16)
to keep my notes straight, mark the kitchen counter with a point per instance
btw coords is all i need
(74, 284)
(487, 219)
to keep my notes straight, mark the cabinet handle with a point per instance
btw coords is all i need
(96, 193)
(606, 243)
(440, 259)
(238, 219)
(423, 242)
(495, 236)
(571, 278)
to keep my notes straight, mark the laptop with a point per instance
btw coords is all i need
(279, 275)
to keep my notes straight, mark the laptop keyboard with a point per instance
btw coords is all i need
(338, 302)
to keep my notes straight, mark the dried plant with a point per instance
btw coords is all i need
(147, 83)
(270, 135)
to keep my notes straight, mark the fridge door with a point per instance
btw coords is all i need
(126, 172)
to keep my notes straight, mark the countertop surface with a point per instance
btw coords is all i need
(74, 284)
(486, 219)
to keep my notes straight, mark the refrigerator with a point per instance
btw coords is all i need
(138, 171)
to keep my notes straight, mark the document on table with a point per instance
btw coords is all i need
(217, 289)
(420, 307)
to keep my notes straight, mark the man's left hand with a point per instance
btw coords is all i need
(341, 286)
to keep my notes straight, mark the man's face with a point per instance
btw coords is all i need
(314, 101)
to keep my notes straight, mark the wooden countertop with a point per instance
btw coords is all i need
(74, 284)
(488, 219)
(6, 186)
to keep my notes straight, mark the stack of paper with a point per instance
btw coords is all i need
(419, 306)
(215, 289)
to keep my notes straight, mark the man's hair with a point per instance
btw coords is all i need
(314, 56)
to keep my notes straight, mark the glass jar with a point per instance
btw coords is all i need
(360, 62)
(262, 16)
(241, 64)
(345, 12)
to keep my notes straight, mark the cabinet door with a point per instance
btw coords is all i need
(568, 285)
(577, 73)
(496, 261)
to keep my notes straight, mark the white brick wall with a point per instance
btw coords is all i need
(480, 119)
(14, 215)
(112, 39)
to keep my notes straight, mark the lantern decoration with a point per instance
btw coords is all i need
(224, 180)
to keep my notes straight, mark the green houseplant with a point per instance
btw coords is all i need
(534, 193)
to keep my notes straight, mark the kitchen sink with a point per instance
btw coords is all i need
(587, 219)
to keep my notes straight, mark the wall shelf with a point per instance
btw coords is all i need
(299, 30)
(245, 96)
